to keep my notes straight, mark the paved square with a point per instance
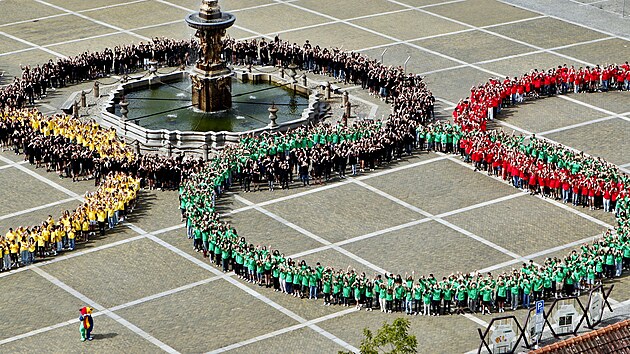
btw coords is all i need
(126, 17)
(109, 337)
(292, 18)
(161, 288)
(601, 52)
(426, 188)
(551, 113)
(519, 65)
(27, 193)
(218, 306)
(548, 32)
(126, 272)
(350, 8)
(481, 12)
(325, 36)
(415, 249)
(425, 25)
(473, 46)
(533, 225)
(604, 139)
(67, 27)
(343, 212)
(27, 293)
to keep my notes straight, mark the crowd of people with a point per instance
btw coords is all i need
(317, 153)
(324, 150)
(36, 81)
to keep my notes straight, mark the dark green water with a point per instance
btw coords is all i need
(168, 106)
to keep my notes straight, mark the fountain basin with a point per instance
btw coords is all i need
(180, 136)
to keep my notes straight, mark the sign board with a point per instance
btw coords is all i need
(596, 306)
(502, 338)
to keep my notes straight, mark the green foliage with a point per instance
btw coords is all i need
(391, 338)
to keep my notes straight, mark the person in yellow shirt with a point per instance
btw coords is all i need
(6, 258)
(71, 238)
(23, 251)
(101, 216)
(14, 248)
(32, 247)
(85, 230)
(41, 245)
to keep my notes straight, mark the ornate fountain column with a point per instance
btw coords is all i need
(211, 78)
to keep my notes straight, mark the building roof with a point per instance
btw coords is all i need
(610, 339)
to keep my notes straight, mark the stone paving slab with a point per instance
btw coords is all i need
(611, 51)
(206, 317)
(27, 193)
(303, 340)
(177, 30)
(67, 27)
(8, 45)
(349, 8)
(474, 46)
(615, 101)
(78, 48)
(10, 64)
(419, 62)
(156, 210)
(80, 5)
(482, 12)
(427, 188)
(109, 337)
(515, 67)
(550, 113)
(424, 25)
(326, 36)
(26, 293)
(25, 10)
(526, 225)
(427, 248)
(258, 19)
(547, 32)
(349, 211)
(35, 218)
(260, 229)
(228, 5)
(604, 139)
(451, 334)
(126, 17)
(126, 272)
(455, 84)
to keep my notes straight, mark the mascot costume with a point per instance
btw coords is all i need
(87, 323)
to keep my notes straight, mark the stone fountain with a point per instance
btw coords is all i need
(211, 78)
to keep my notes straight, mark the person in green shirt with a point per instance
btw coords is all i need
(426, 302)
(501, 294)
(337, 291)
(357, 289)
(461, 298)
(369, 295)
(382, 295)
(486, 299)
(389, 299)
(417, 298)
(326, 289)
(436, 300)
(347, 289)
(473, 298)
(408, 300)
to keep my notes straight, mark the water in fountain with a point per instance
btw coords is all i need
(168, 107)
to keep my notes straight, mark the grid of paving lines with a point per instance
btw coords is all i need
(445, 23)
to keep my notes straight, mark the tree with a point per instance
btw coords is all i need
(391, 338)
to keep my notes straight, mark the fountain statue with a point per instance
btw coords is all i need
(211, 78)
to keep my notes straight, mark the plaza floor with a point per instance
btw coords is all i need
(427, 213)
